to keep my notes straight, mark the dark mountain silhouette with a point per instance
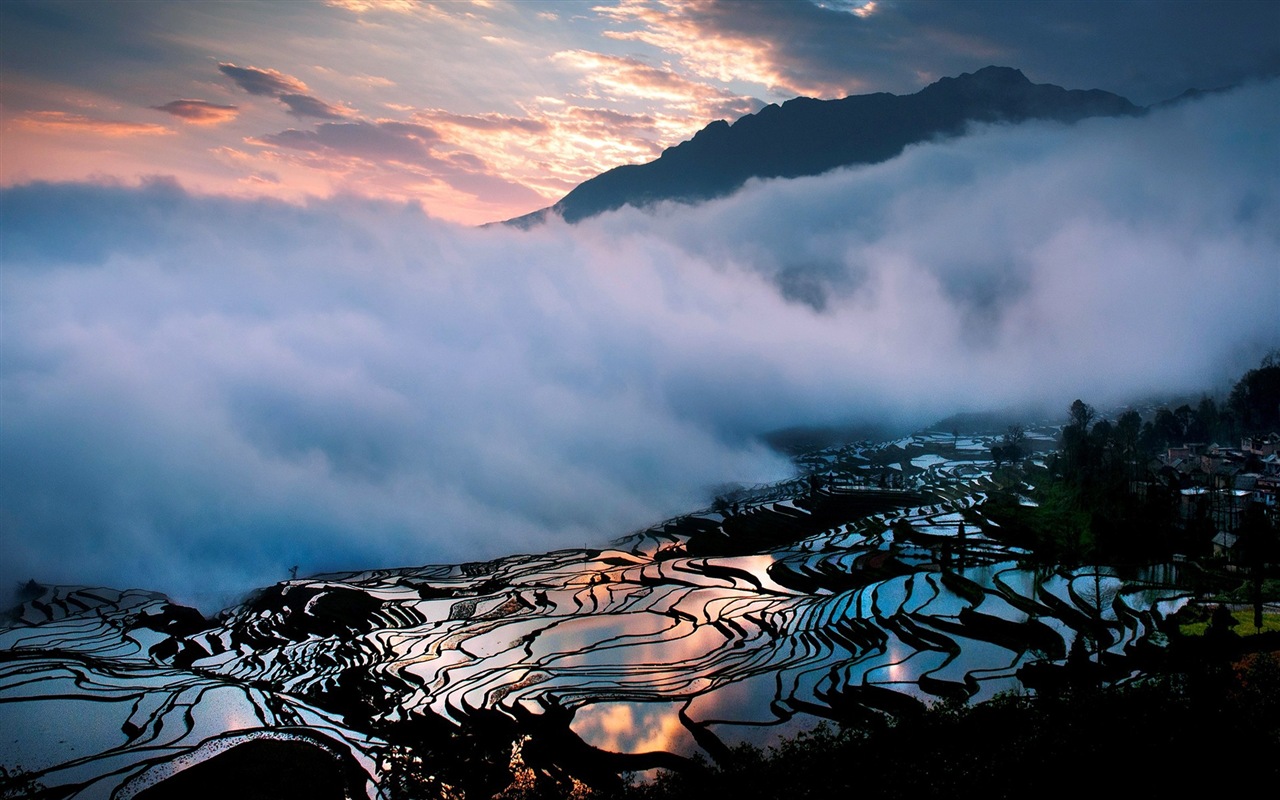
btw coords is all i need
(808, 137)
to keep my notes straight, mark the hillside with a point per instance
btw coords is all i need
(805, 136)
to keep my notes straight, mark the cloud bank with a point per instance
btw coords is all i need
(198, 393)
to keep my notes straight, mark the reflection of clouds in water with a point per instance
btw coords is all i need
(633, 727)
(468, 651)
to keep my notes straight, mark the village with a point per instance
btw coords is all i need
(1219, 483)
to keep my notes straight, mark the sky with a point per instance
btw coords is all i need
(487, 110)
(207, 379)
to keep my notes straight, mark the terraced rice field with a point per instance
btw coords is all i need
(865, 591)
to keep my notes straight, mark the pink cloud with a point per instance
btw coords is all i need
(484, 122)
(199, 112)
(62, 121)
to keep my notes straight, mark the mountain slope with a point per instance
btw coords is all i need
(808, 137)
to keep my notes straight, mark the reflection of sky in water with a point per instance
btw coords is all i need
(1097, 592)
(633, 727)
(42, 732)
(1021, 582)
(75, 715)
(924, 593)
(626, 645)
(568, 646)
(981, 574)
(1057, 586)
(903, 669)
(992, 605)
(503, 637)
(888, 596)
(975, 654)
(764, 735)
(745, 700)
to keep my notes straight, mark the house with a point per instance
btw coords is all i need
(1221, 507)
(1224, 544)
(1261, 446)
(1187, 451)
(1266, 491)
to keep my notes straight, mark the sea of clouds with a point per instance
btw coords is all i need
(197, 393)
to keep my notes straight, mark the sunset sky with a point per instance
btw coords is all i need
(489, 109)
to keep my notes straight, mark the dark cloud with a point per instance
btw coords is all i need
(373, 141)
(302, 105)
(1145, 51)
(200, 392)
(263, 82)
(74, 42)
(734, 107)
(199, 111)
(291, 92)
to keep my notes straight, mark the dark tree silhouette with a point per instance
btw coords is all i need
(1255, 399)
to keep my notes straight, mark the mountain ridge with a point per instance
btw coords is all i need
(806, 136)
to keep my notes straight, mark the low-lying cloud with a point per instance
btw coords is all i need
(200, 392)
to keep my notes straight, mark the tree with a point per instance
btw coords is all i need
(1168, 428)
(1257, 546)
(1208, 420)
(1188, 423)
(1009, 448)
(1081, 415)
(1075, 441)
(1255, 399)
(1128, 443)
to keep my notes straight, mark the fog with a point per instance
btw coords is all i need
(199, 393)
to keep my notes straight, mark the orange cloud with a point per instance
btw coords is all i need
(673, 28)
(553, 147)
(510, 163)
(64, 122)
(484, 122)
(863, 10)
(621, 76)
(199, 112)
(677, 105)
(394, 159)
(366, 6)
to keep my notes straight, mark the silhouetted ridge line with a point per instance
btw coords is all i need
(805, 136)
